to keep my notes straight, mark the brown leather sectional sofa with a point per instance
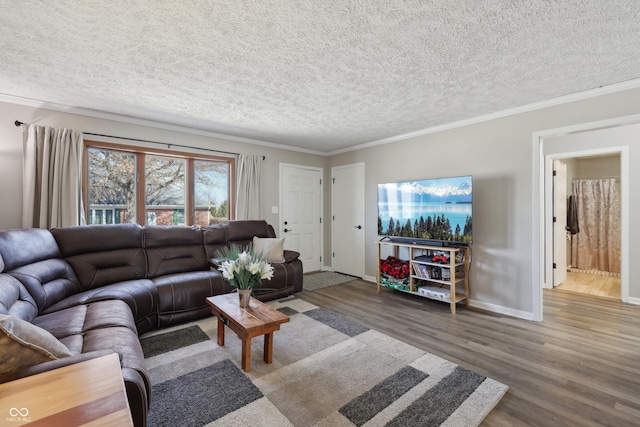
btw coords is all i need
(97, 288)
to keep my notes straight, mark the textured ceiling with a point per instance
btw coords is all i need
(321, 75)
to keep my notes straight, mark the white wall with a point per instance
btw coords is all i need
(500, 156)
(11, 152)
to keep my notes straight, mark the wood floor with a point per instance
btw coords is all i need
(579, 367)
(592, 284)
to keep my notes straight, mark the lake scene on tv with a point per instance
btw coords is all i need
(434, 209)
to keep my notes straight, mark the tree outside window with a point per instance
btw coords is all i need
(114, 187)
(111, 186)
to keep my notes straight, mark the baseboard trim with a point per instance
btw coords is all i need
(633, 300)
(500, 309)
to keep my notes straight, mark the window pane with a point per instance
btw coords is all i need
(112, 185)
(165, 192)
(211, 191)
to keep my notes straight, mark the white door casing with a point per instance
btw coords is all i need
(347, 225)
(301, 213)
(559, 222)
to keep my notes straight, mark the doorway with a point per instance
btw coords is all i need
(301, 213)
(347, 225)
(586, 222)
(611, 136)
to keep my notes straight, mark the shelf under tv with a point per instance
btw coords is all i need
(452, 289)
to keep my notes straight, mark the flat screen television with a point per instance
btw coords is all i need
(428, 211)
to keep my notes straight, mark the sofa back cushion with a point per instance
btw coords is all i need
(174, 249)
(15, 299)
(242, 232)
(26, 246)
(32, 256)
(215, 238)
(103, 254)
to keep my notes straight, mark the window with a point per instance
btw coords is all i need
(112, 186)
(155, 187)
(165, 194)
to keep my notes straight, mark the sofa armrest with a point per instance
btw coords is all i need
(55, 364)
(290, 255)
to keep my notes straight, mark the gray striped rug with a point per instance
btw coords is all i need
(327, 371)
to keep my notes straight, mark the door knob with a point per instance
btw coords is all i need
(359, 227)
(286, 230)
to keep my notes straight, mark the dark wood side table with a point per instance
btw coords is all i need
(258, 319)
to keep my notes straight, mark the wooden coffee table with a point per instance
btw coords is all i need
(258, 319)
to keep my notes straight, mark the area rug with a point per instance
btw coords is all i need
(327, 371)
(312, 282)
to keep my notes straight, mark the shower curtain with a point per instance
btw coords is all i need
(596, 247)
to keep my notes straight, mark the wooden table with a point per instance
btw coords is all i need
(89, 393)
(258, 319)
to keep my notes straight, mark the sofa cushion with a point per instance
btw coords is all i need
(48, 281)
(141, 296)
(215, 238)
(15, 300)
(71, 325)
(23, 344)
(174, 249)
(271, 248)
(84, 239)
(103, 254)
(242, 231)
(27, 246)
(182, 297)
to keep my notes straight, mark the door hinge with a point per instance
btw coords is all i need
(554, 265)
(320, 181)
(320, 220)
(333, 180)
(555, 219)
(555, 173)
(333, 254)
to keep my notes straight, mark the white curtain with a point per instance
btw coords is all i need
(248, 178)
(52, 177)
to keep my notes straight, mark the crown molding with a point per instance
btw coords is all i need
(587, 94)
(146, 122)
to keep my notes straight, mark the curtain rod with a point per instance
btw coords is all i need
(169, 145)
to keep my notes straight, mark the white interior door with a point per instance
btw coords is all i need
(560, 222)
(347, 226)
(301, 213)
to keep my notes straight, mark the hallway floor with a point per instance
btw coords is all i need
(592, 284)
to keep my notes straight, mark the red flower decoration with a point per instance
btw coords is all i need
(395, 267)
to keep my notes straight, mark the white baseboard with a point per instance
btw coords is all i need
(499, 309)
(633, 300)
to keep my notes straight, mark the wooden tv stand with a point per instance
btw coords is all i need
(441, 281)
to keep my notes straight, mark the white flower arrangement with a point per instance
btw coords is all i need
(244, 269)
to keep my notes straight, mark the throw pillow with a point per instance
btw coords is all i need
(271, 248)
(23, 344)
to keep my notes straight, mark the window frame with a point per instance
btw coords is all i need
(141, 152)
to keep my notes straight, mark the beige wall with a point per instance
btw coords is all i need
(11, 153)
(500, 156)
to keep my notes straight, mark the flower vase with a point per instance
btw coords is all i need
(245, 297)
